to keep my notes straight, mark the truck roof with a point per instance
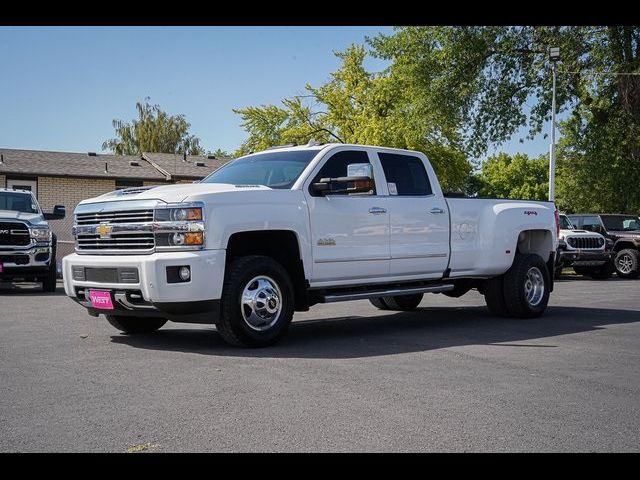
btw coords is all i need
(322, 146)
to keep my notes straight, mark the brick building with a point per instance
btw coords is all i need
(62, 178)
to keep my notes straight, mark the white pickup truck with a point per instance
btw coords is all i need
(280, 230)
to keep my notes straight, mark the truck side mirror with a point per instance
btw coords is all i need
(59, 212)
(359, 179)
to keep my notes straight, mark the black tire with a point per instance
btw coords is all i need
(403, 303)
(134, 325)
(494, 296)
(49, 282)
(629, 257)
(603, 272)
(378, 302)
(232, 325)
(515, 281)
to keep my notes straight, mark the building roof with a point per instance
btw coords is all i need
(68, 164)
(178, 167)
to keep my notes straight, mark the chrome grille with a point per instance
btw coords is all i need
(125, 216)
(128, 241)
(586, 242)
(115, 232)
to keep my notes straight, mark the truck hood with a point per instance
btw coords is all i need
(30, 218)
(172, 193)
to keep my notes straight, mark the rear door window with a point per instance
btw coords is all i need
(405, 175)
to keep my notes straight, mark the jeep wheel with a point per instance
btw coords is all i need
(133, 325)
(626, 263)
(526, 286)
(257, 302)
(603, 272)
(403, 303)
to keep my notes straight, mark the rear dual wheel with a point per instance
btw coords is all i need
(523, 291)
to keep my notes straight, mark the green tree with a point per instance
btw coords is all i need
(357, 106)
(517, 176)
(488, 82)
(219, 153)
(153, 131)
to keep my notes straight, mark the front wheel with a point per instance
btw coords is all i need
(49, 281)
(526, 286)
(134, 325)
(257, 302)
(627, 263)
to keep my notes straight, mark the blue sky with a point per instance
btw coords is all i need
(60, 87)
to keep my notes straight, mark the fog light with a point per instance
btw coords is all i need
(179, 274)
(184, 273)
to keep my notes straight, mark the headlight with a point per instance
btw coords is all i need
(40, 234)
(179, 226)
(178, 214)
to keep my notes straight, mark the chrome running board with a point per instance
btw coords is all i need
(395, 292)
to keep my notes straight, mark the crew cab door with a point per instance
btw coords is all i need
(349, 232)
(418, 216)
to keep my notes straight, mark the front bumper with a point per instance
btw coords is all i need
(25, 264)
(194, 301)
(583, 258)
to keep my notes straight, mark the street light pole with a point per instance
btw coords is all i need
(554, 56)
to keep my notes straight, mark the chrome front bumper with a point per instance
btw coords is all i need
(25, 258)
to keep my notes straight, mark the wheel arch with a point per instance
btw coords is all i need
(281, 245)
(539, 242)
(623, 245)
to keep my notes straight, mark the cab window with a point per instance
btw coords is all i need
(405, 175)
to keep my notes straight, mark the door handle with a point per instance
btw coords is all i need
(377, 210)
(437, 210)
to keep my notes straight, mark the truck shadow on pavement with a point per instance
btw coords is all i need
(28, 289)
(403, 332)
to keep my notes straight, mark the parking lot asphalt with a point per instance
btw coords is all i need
(347, 377)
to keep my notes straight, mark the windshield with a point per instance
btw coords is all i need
(565, 223)
(273, 169)
(18, 202)
(621, 222)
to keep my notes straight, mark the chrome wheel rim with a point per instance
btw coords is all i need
(534, 286)
(261, 303)
(625, 264)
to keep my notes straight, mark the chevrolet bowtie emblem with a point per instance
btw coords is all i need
(104, 230)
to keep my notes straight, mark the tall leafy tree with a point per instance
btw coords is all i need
(488, 82)
(153, 131)
(514, 176)
(357, 106)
